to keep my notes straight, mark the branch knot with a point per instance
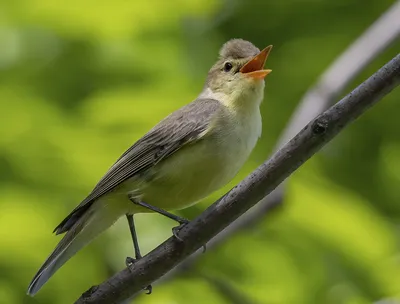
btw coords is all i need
(319, 126)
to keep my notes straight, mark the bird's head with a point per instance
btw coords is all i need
(239, 72)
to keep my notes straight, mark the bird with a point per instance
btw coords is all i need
(188, 155)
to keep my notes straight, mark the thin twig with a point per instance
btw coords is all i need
(246, 194)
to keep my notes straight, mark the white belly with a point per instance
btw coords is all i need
(205, 167)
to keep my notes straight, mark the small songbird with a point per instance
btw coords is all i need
(188, 155)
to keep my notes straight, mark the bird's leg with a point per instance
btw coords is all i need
(182, 221)
(130, 261)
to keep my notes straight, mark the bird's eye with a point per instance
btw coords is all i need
(228, 66)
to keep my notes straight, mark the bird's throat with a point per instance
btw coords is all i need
(239, 100)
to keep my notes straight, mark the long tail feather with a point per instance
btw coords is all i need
(94, 221)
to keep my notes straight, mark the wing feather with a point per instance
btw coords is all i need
(182, 127)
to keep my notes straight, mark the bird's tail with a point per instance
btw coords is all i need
(94, 221)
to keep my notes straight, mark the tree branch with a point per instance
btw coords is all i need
(246, 194)
(383, 32)
(380, 35)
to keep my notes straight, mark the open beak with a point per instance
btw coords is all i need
(255, 67)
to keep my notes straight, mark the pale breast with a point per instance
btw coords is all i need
(197, 170)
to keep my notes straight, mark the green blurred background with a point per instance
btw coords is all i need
(80, 81)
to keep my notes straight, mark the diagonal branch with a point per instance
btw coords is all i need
(246, 194)
(380, 35)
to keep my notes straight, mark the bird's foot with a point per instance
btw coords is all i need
(176, 229)
(129, 262)
(149, 289)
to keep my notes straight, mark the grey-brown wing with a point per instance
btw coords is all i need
(177, 130)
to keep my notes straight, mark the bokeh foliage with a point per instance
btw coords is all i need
(82, 80)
